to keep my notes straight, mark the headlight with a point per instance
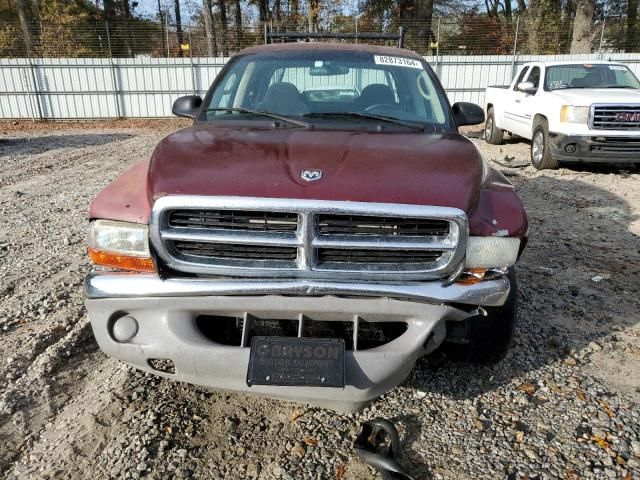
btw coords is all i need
(120, 245)
(489, 252)
(572, 114)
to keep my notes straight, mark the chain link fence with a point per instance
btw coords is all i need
(462, 35)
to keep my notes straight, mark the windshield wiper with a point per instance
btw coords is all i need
(620, 86)
(371, 116)
(262, 113)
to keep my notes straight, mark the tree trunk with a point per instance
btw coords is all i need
(277, 10)
(179, 32)
(294, 11)
(26, 23)
(238, 20)
(633, 32)
(163, 28)
(522, 7)
(263, 8)
(209, 29)
(424, 14)
(222, 7)
(507, 9)
(314, 7)
(581, 39)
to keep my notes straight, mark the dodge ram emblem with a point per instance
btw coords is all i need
(311, 175)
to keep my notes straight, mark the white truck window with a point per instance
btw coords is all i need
(523, 72)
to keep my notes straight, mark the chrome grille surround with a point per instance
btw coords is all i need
(603, 116)
(307, 240)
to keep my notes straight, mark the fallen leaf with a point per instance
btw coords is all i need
(527, 388)
(628, 476)
(340, 472)
(580, 394)
(519, 436)
(620, 460)
(601, 442)
(310, 441)
(607, 410)
(296, 414)
(169, 430)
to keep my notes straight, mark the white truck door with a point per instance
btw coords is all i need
(512, 103)
(526, 104)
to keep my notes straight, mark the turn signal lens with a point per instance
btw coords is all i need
(120, 245)
(472, 276)
(122, 262)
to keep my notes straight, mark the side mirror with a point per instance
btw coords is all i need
(527, 87)
(187, 106)
(465, 113)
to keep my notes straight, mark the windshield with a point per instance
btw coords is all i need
(589, 76)
(325, 87)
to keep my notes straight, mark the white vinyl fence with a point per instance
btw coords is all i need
(87, 88)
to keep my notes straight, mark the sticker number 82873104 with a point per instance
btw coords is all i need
(397, 61)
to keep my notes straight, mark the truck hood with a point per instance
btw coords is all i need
(587, 97)
(437, 169)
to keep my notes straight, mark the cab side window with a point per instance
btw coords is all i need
(534, 77)
(520, 77)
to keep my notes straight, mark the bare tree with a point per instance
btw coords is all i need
(26, 21)
(238, 20)
(209, 28)
(222, 11)
(424, 13)
(522, 6)
(179, 32)
(633, 32)
(581, 39)
(312, 17)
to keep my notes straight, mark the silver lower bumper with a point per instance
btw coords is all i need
(166, 312)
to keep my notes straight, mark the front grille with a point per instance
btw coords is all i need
(357, 333)
(234, 220)
(255, 237)
(370, 225)
(616, 117)
(621, 145)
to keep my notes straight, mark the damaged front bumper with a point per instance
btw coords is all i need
(165, 323)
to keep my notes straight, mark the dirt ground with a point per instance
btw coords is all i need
(564, 403)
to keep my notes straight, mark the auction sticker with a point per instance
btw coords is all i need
(397, 61)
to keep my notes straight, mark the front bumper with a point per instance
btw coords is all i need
(595, 148)
(166, 312)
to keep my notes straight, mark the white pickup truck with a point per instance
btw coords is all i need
(571, 112)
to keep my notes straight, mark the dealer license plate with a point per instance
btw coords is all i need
(287, 361)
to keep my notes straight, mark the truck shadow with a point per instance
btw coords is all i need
(41, 144)
(578, 286)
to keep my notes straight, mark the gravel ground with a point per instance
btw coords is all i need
(562, 404)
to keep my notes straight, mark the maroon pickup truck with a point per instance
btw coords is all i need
(319, 227)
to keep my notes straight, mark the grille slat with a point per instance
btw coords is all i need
(235, 220)
(377, 256)
(383, 226)
(220, 250)
(616, 117)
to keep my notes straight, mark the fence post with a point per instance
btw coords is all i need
(114, 76)
(515, 49)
